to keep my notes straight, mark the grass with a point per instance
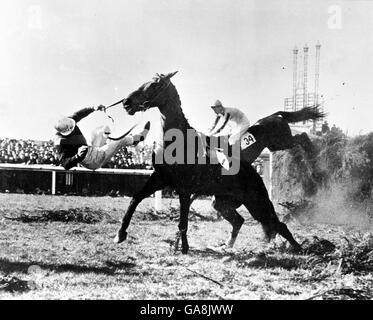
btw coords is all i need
(50, 258)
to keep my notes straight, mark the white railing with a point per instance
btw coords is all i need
(266, 174)
(55, 169)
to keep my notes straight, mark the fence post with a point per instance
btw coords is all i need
(158, 201)
(53, 182)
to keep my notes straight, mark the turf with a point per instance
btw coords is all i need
(44, 255)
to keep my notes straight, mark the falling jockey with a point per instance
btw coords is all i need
(72, 147)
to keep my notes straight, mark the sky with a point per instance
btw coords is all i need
(62, 55)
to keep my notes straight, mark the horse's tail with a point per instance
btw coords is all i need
(308, 113)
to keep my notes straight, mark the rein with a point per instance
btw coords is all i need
(112, 105)
(146, 105)
(111, 118)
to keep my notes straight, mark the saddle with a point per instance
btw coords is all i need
(220, 153)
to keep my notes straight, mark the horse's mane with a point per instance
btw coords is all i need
(175, 101)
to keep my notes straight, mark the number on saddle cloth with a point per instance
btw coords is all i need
(247, 140)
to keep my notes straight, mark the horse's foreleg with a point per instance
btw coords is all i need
(283, 231)
(262, 210)
(183, 223)
(154, 184)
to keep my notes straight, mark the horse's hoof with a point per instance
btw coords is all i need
(120, 237)
(223, 246)
(230, 243)
(227, 248)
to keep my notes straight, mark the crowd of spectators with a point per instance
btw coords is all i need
(27, 152)
(43, 152)
(139, 157)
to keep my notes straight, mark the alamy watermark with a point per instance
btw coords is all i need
(335, 17)
(193, 148)
(35, 17)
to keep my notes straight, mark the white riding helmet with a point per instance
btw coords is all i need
(65, 126)
(218, 107)
(217, 104)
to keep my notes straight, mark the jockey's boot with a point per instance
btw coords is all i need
(141, 136)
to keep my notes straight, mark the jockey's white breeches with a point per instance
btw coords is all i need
(237, 132)
(101, 150)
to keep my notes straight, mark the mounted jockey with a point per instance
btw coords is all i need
(72, 147)
(229, 122)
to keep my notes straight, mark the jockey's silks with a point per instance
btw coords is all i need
(67, 146)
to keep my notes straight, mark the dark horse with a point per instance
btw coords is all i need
(273, 132)
(231, 191)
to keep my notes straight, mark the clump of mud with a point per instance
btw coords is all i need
(353, 255)
(13, 284)
(357, 255)
(318, 246)
(82, 215)
(173, 214)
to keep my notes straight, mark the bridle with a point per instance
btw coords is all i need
(146, 105)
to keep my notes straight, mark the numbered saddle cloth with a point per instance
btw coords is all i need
(251, 147)
(247, 140)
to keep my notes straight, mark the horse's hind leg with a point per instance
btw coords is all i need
(284, 232)
(229, 213)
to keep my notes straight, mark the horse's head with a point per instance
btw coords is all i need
(149, 95)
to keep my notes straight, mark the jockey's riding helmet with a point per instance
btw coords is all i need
(218, 107)
(65, 126)
(217, 104)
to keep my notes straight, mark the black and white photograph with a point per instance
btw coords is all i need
(186, 155)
